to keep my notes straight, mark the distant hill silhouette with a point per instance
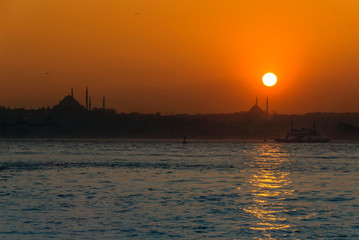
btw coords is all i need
(69, 118)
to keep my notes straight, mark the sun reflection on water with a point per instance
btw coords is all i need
(269, 185)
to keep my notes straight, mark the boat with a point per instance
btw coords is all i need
(303, 135)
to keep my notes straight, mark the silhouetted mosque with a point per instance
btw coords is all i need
(256, 111)
(70, 103)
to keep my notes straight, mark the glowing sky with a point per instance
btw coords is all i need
(181, 56)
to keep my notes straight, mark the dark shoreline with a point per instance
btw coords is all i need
(69, 119)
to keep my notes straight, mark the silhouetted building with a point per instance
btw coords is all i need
(68, 103)
(103, 102)
(256, 111)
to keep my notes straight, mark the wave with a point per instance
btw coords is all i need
(51, 165)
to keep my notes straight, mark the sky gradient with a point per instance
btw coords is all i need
(181, 56)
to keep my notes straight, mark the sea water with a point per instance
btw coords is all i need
(163, 189)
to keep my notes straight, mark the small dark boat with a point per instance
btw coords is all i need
(304, 135)
(184, 140)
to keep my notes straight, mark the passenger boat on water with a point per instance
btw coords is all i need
(304, 135)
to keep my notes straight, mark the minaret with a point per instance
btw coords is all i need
(103, 102)
(72, 92)
(267, 109)
(87, 98)
(89, 102)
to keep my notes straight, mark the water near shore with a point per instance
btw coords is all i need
(103, 189)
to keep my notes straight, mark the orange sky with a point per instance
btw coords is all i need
(181, 56)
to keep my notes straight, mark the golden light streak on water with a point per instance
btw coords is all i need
(270, 185)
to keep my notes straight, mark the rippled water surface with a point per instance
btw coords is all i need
(102, 189)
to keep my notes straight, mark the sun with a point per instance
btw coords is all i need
(269, 79)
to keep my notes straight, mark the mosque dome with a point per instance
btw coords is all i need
(69, 102)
